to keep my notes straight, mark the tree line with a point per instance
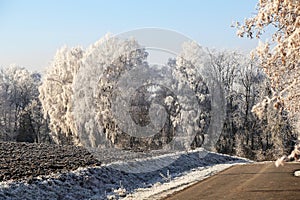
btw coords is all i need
(36, 109)
(21, 117)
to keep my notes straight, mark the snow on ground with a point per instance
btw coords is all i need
(115, 180)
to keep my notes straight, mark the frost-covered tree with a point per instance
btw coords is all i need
(280, 56)
(19, 102)
(223, 67)
(56, 95)
(95, 87)
(187, 69)
(249, 81)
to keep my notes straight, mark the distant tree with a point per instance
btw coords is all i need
(280, 56)
(249, 82)
(19, 102)
(224, 66)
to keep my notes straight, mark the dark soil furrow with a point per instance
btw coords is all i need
(27, 160)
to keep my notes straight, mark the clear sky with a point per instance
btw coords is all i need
(32, 30)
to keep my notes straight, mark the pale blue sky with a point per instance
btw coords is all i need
(32, 30)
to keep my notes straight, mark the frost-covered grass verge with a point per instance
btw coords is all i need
(108, 182)
(160, 190)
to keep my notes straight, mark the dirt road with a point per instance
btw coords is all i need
(254, 181)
